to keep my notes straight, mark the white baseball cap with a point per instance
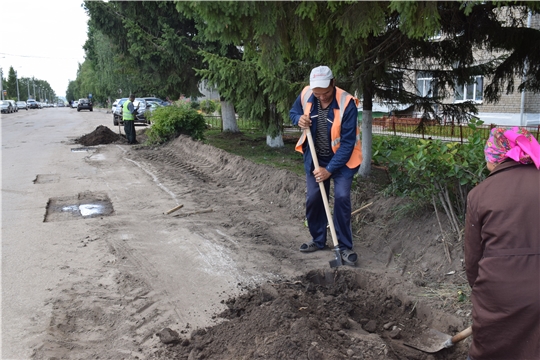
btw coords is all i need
(320, 77)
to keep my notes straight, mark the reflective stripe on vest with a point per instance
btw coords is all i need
(126, 114)
(343, 99)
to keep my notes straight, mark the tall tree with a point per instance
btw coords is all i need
(153, 43)
(256, 89)
(11, 84)
(373, 47)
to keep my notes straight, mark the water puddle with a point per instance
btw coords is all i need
(91, 209)
(82, 206)
(82, 149)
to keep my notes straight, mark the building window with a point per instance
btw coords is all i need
(471, 92)
(425, 84)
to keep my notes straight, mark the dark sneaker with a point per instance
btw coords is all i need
(349, 257)
(309, 247)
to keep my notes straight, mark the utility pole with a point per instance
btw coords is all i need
(34, 84)
(1, 83)
(17, 81)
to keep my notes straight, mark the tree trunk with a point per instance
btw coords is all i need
(228, 117)
(274, 142)
(272, 121)
(367, 133)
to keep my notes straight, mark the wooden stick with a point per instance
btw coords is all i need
(194, 213)
(362, 208)
(173, 209)
(445, 244)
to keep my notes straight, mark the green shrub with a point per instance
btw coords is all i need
(170, 121)
(209, 106)
(434, 171)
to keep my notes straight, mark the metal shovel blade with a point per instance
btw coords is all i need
(337, 261)
(430, 341)
(433, 340)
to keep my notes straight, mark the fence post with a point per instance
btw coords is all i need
(394, 125)
(461, 133)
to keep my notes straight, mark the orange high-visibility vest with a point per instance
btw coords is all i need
(343, 99)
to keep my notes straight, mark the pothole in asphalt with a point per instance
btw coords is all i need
(46, 178)
(83, 206)
(81, 149)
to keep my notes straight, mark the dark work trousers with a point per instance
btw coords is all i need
(316, 214)
(129, 128)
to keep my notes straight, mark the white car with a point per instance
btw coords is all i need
(14, 105)
(22, 105)
(114, 104)
(5, 106)
(32, 104)
(75, 104)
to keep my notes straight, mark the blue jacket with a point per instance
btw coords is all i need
(348, 135)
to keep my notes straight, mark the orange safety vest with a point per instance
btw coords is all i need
(343, 99)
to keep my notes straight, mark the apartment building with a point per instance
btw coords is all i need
(514, 109)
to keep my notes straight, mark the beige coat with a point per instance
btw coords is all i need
(502, 257)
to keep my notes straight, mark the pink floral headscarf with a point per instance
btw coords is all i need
(516, 143)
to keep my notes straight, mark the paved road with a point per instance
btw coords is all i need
(100, 286)
(36, 143)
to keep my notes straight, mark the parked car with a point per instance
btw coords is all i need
(114, 104)
(151, 106)
(85, 104)
(139, 118)
(74, 104)
(22, 105)
(158, 100)
(61, 104)
(14, 107)
(117, 111)
(32, 104)
(6, 107)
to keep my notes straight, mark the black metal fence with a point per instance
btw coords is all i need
(392, 126)
(215, 122)
(446, 132)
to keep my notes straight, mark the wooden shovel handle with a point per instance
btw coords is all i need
(458, 337)
(461, 335)
(321, 187)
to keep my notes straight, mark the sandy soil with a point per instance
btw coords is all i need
(291, 305)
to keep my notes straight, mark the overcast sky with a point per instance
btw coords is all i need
(43, 39)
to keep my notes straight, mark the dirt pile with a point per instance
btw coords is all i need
(102, 135)
(325, 314)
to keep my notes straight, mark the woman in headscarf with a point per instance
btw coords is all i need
(502, 249)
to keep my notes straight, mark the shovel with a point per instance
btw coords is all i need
(432, 340)
(337, 261)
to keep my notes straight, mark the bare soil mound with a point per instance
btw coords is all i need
(102, 135)
(324, 314)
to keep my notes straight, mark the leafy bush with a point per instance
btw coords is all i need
(434, 171)
(170, 121)
(209, 106)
